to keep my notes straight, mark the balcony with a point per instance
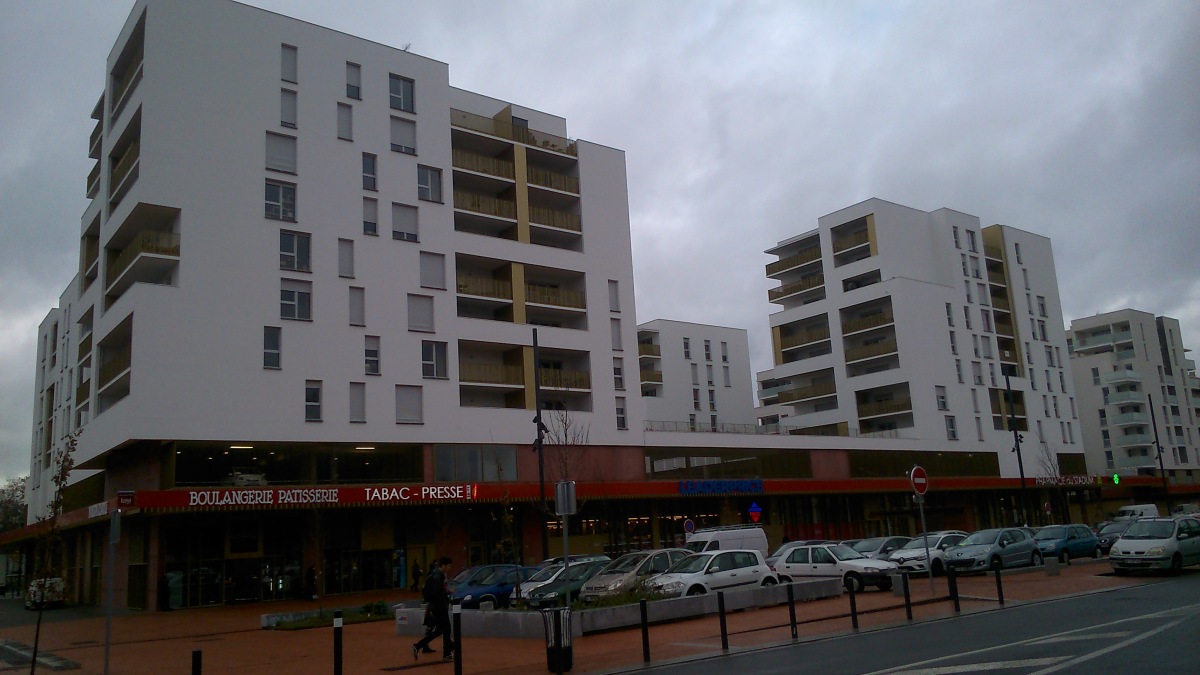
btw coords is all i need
(118, 362)
(125, 83)
(1000, 302)
(791, 262)
(649, 350)
(492, 166)
(93, 181)
(1126, 354)
(484, 287)
(802, 338)
(993, 252)
(806, 284)
(146, 258)
(1125, 397)
(802, 393)
(491, 373)
(1121, 377)
(871, 351)
(557, 297)
(511, 132)
(484, 204)
(997, 277)
(124, 172)
(893, 407)
(554, 180)
(651, 376)
(83, 392)
(1128, 419)
(1132, 440)
(563, 220)
(553, 378)
(867, 322)
(851, 241)
(85, 347)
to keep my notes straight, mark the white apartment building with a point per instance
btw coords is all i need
(308, 257)
(1131, 374)
(695, 377)
(898, 323)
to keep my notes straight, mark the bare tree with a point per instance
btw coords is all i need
(568, 439)
(48, 552)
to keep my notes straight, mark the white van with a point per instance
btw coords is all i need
(749, 537)
(1135, 511)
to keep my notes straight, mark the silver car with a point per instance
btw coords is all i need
(994, 550)
(1157, 543)
(629, 571)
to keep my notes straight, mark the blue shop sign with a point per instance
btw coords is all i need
(720, 487)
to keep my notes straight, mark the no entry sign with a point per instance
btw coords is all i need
(919, 480)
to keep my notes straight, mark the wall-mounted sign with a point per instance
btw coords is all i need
(1064, 481)
(755, 512)
(306, 496)
(720, 487)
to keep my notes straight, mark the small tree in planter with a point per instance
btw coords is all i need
(48, 551)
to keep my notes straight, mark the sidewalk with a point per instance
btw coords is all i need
(232, 642)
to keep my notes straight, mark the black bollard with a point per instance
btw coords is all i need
(907, 595)
(724, 628)
(952, 582)
(337, 642)
(999, 589)
(197, 658)
(792, 610)
(853, 606)
(645, 633)
(457, 639)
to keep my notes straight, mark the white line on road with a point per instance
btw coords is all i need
(1119, 645)
(1084, 636)
(984, 667)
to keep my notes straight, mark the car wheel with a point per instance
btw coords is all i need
(768, 582)
(488, 598)
(884, 585)
(997, 564)
(853, 582)
(785, 580)
(1176, 564)
(1037, 558)
(696, 590)
(938, 568)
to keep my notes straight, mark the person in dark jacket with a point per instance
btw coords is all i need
(416, 576)
(437, 611)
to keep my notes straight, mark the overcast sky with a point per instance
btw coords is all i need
(742, 123)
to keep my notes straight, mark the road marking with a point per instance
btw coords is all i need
(984, 667)
(1114, 647)
(1088, 636)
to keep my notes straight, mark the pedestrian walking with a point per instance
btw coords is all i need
(416, 576)
(437, 610)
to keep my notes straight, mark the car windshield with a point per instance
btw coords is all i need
(980, 537)
(581, 571)
(868, 545)
(1052, 532)
(494, 578)
(547, 573)
(625, 563)
(1114, 528)
(1150, 529)
(845, 553)
(690, 564)
(919, 542)
(779, 552)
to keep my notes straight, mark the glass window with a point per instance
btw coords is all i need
(272, 347)
(295, 300)
(370, 216)
(280, 201)
(433, 270)
(312, 401)
(289, 61)
(420, 313)
(408, 404)
(346, 258)
(404, 222)
(358, 402)
(368, 171)
(401, 93)
(295, 251)
(358, 306)
(404, 136)
(429, 183)
(433, 360)
(287, 108)
(345, 122)
(371, 355)
(281, 153)
(353, 80)
(621, 421)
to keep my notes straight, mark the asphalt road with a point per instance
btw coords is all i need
(1152, 628)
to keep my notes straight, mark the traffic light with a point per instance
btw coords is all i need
(1116, 479)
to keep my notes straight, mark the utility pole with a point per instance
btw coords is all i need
(1159, 449)
(537, 446)
(1012, 423)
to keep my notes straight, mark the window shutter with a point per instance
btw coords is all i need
(433, 270)
(281, 153)
(358, 402)
(358, 306)
(408, 404)
(404, 136)
(420, 313)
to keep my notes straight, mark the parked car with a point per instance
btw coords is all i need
(728, 538)
(835, 560)
(1157, 543)
(1067, 541)
(627, 572)
(714, 571)
(785, 547)
(496, 588)
(474, 575)
(576, 558)
(1135, 511)
(1185, 510)
(552, 594)
(879, 548)
(994, 549)
(1110, 533)
(911, 556)
(551, 571)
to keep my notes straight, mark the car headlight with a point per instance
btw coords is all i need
(550, 596)
(872, 570)
(673, 586)
(466, 598)
(1157, 550)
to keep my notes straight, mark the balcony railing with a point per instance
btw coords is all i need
(899, 405)
(559, 297)
(118, 362)
(806, 256)
(94, 141)
(1005, 329)
(484, 287)
(1001, 302)
(91, 252)
(564, 379)
(803, 338)
(563, 220)
(93, 181)
(813, 391)
(867, 322)
(993, 252)
(490, 373)
(1125, 419)
(815, 281)
(652, 376)
(124, 168)
(490, 206)
(1125, 397)
(552, 179)
(82, 392)
(868, 351)
(85, 347)
(125, 83)
(997, 277)
(850, 241)
(487, 125)
(147, 242)
(493, 166)
(1120, 376)
(1130, 440)
(645, 349)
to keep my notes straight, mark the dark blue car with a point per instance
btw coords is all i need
(1067, 541)
(497, 588)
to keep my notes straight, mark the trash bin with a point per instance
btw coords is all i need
(559, 655)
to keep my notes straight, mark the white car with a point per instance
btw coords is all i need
(1157, 543)
(839, 561)
(912, 556)
(714, 571)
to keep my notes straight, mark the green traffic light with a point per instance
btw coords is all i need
(1116, 479)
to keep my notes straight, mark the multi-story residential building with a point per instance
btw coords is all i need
(898, 323)
(308, 260)
(695, 376)
(1136, 389)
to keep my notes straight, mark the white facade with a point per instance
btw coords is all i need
(695, 377)
(1131, 373)
(897, 323)
(300, 236)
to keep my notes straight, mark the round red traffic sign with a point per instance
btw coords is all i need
(919, 480)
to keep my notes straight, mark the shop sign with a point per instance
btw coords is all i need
(755, 512)
(720, 487)
(281, 496)
(98, 509)
(1065, 481)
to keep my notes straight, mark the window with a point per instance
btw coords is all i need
(963, 261)
(982, 292)
(967, 316)
(975, 272)
(712, 400)
(953, 344)
(1025, 276)
(695, 374)
(687, 348)
(295, 251)
(709, 369)
(975, 345)
(404, 222)
(954, 231)
(971, 241)
(1041, 305)
(618, 374)
(1049, 356)
(1028, 354)
(992, 373)
(358, 306)
(1017, 248)
(967, 288)
(420, 313)
(370, 216)
(281, 153)
(974, 400)
(401, 90)
(958, 370)
(708, 350)
(621, 421)
(295, 300)
(288, 69)
(1029, 303)
(433, 270)
(614, 296)
(979, 428)
(986, 343)
(712, 423)
(408, 404)
(287, 108)
(725, 370)
(949, 314)
(345, 122)
(977, 372)
(724, 352)
(346, 258)
(280, 201)
(1042, 330)
(614, 326)
(1062, 382)
(1096, 376)
(312, 401)
(429, 183)
(940, 394)
(368, 171)
(358, 402)
(692, 422)
(404, 136)
(433, 360)
(371, 355)
(353, 80)
(951, 428)
(272, 347)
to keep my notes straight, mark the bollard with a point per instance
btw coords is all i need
(952, 582)
(559, 655)
(724, 629)
(907, 595)
(792, 610)
(1051, 563)
(853, 606)
(457, 635)
(337, 642)
(196, 662)
(999, 589)
(645, 633)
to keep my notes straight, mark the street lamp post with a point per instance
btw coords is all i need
(1159, 450)
(537, 447)
(1012, 423)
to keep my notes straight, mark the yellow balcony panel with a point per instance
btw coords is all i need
(871, 351)
(82, 392)
(806, 337)
(803, 393)
(124, 172)
(554, 180)
(993, 252)
(563, 220)
(552, 378)
(491, 373)
(94, 141)
(485, 287)
(652, 376)
(487, 205)
(493, 166)
(893, 407)
(85, 347)
(851, 241)
(145, 245)
(867, 323)
(806, 284)
(119, 361)
(997, 277)
(558, 297)
(486, 125)
(802, 258)
(126, 83)
(93, 181)
(646, 349)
